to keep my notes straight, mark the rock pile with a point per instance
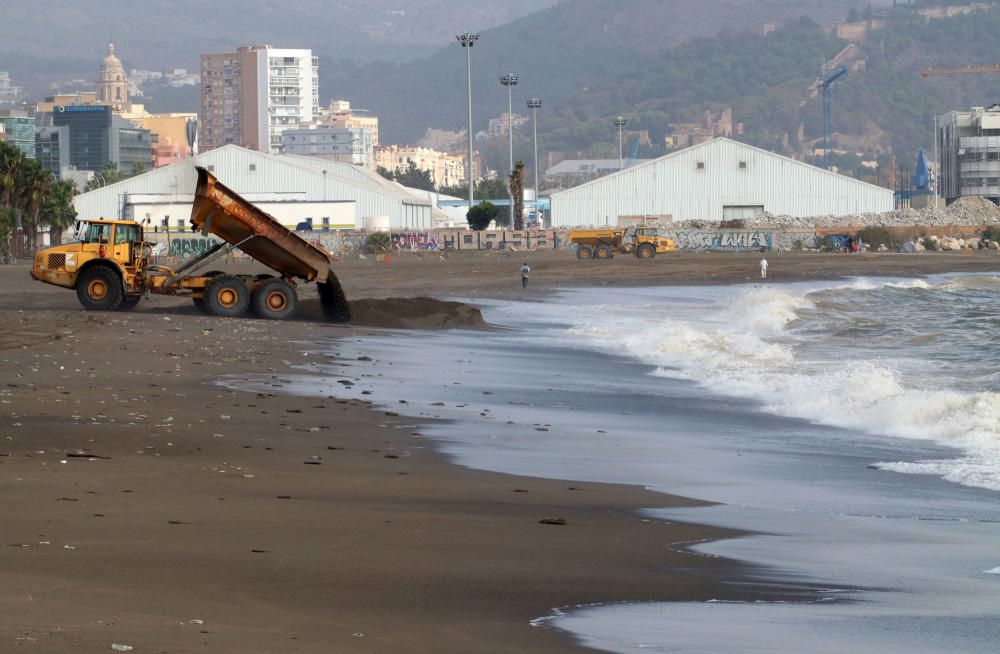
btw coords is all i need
(971, 211)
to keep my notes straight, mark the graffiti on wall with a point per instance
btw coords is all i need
(419, 241)
(189, 248)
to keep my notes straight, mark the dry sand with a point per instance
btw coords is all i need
(144, 505)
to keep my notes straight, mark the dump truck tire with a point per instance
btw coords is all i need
(129, 303)
(645, 251)
(226, 296)
(274, 299)
(333, 300)
(602, 253)
(99, 289)
(584, 252)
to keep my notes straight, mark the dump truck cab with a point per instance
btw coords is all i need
(104, 261)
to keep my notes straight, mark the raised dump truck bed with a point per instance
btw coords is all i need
(219, 211)
(108, 263)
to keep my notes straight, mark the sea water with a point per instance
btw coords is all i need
(855, 426)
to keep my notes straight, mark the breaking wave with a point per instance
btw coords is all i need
(868, 356)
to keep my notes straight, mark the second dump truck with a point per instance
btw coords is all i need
(602, 244)
(109, 263)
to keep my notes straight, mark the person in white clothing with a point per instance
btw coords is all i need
(763, 268)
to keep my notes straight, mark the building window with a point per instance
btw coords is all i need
(743, 164)
(700, 165)
(210, 168)
(253, 167)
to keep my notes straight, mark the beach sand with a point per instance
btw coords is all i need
(145, 505)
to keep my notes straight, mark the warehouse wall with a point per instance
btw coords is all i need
(698, 182)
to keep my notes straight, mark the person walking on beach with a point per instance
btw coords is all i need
(525, 271)
(763, 268)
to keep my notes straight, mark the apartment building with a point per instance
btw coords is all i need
(251, 96)
(343, 144)
(445, 169)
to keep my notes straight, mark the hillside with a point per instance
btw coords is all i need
(885, 107)
(557, 52)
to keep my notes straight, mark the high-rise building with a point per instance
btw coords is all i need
(351, 145)
(92, 136)
(969, 147)
(340, 114)
(249, 97)
(20, 129)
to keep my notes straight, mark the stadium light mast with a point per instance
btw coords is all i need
(510, 80)
(620, 122)
(468, 39)
(535, 104)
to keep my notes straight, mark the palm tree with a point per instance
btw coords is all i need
(517, 193)
(11, 161)
(57, 209)
(33, 187)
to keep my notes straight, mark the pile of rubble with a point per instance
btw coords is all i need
(971, 211)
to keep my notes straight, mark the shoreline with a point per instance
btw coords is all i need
(187, 515)
(458, 547)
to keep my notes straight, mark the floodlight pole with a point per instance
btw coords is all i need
(534, 104)
(510, 80)
(468, 39)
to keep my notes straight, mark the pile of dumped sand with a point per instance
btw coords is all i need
(403, 313)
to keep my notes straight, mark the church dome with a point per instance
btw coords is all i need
(111, 66)
(112, 87)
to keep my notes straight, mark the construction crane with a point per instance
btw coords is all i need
(824, 84)
(963, 70)
(633, 155)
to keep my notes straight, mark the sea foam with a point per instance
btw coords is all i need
(744, 348)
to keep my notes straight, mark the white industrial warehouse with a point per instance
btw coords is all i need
(720, 179)
(294, 189)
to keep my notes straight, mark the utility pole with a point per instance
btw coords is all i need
(468, 39)
(620, 122)
(535, 104)
(510, 80)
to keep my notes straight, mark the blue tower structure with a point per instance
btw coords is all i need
(824, 84)
(920, 182)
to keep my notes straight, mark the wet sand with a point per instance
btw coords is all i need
(146, 506)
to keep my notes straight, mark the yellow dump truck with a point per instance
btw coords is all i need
(108, 263)
(602, 244)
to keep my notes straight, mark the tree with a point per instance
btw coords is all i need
(412, 177)
(107, 176)
(481, 215)
(853, 16)
(57, 209)
(517, 193)
(867, 15)
(489, 189)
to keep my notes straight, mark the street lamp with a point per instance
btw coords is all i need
(510, 80)
(468, 39)
(620, 122)
(535, 104)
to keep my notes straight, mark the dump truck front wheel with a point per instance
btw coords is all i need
(274, 299)
(645, 251)
(226, 296)
(584, 252)
(129, 303)
(602, 253)
(99, 289)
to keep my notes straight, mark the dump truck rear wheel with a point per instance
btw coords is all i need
(99, 289)
(645, 251)
(274, 299)
(226, 296)
(199, 303)
(129, 303)
(584, 252)
(602, 253)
